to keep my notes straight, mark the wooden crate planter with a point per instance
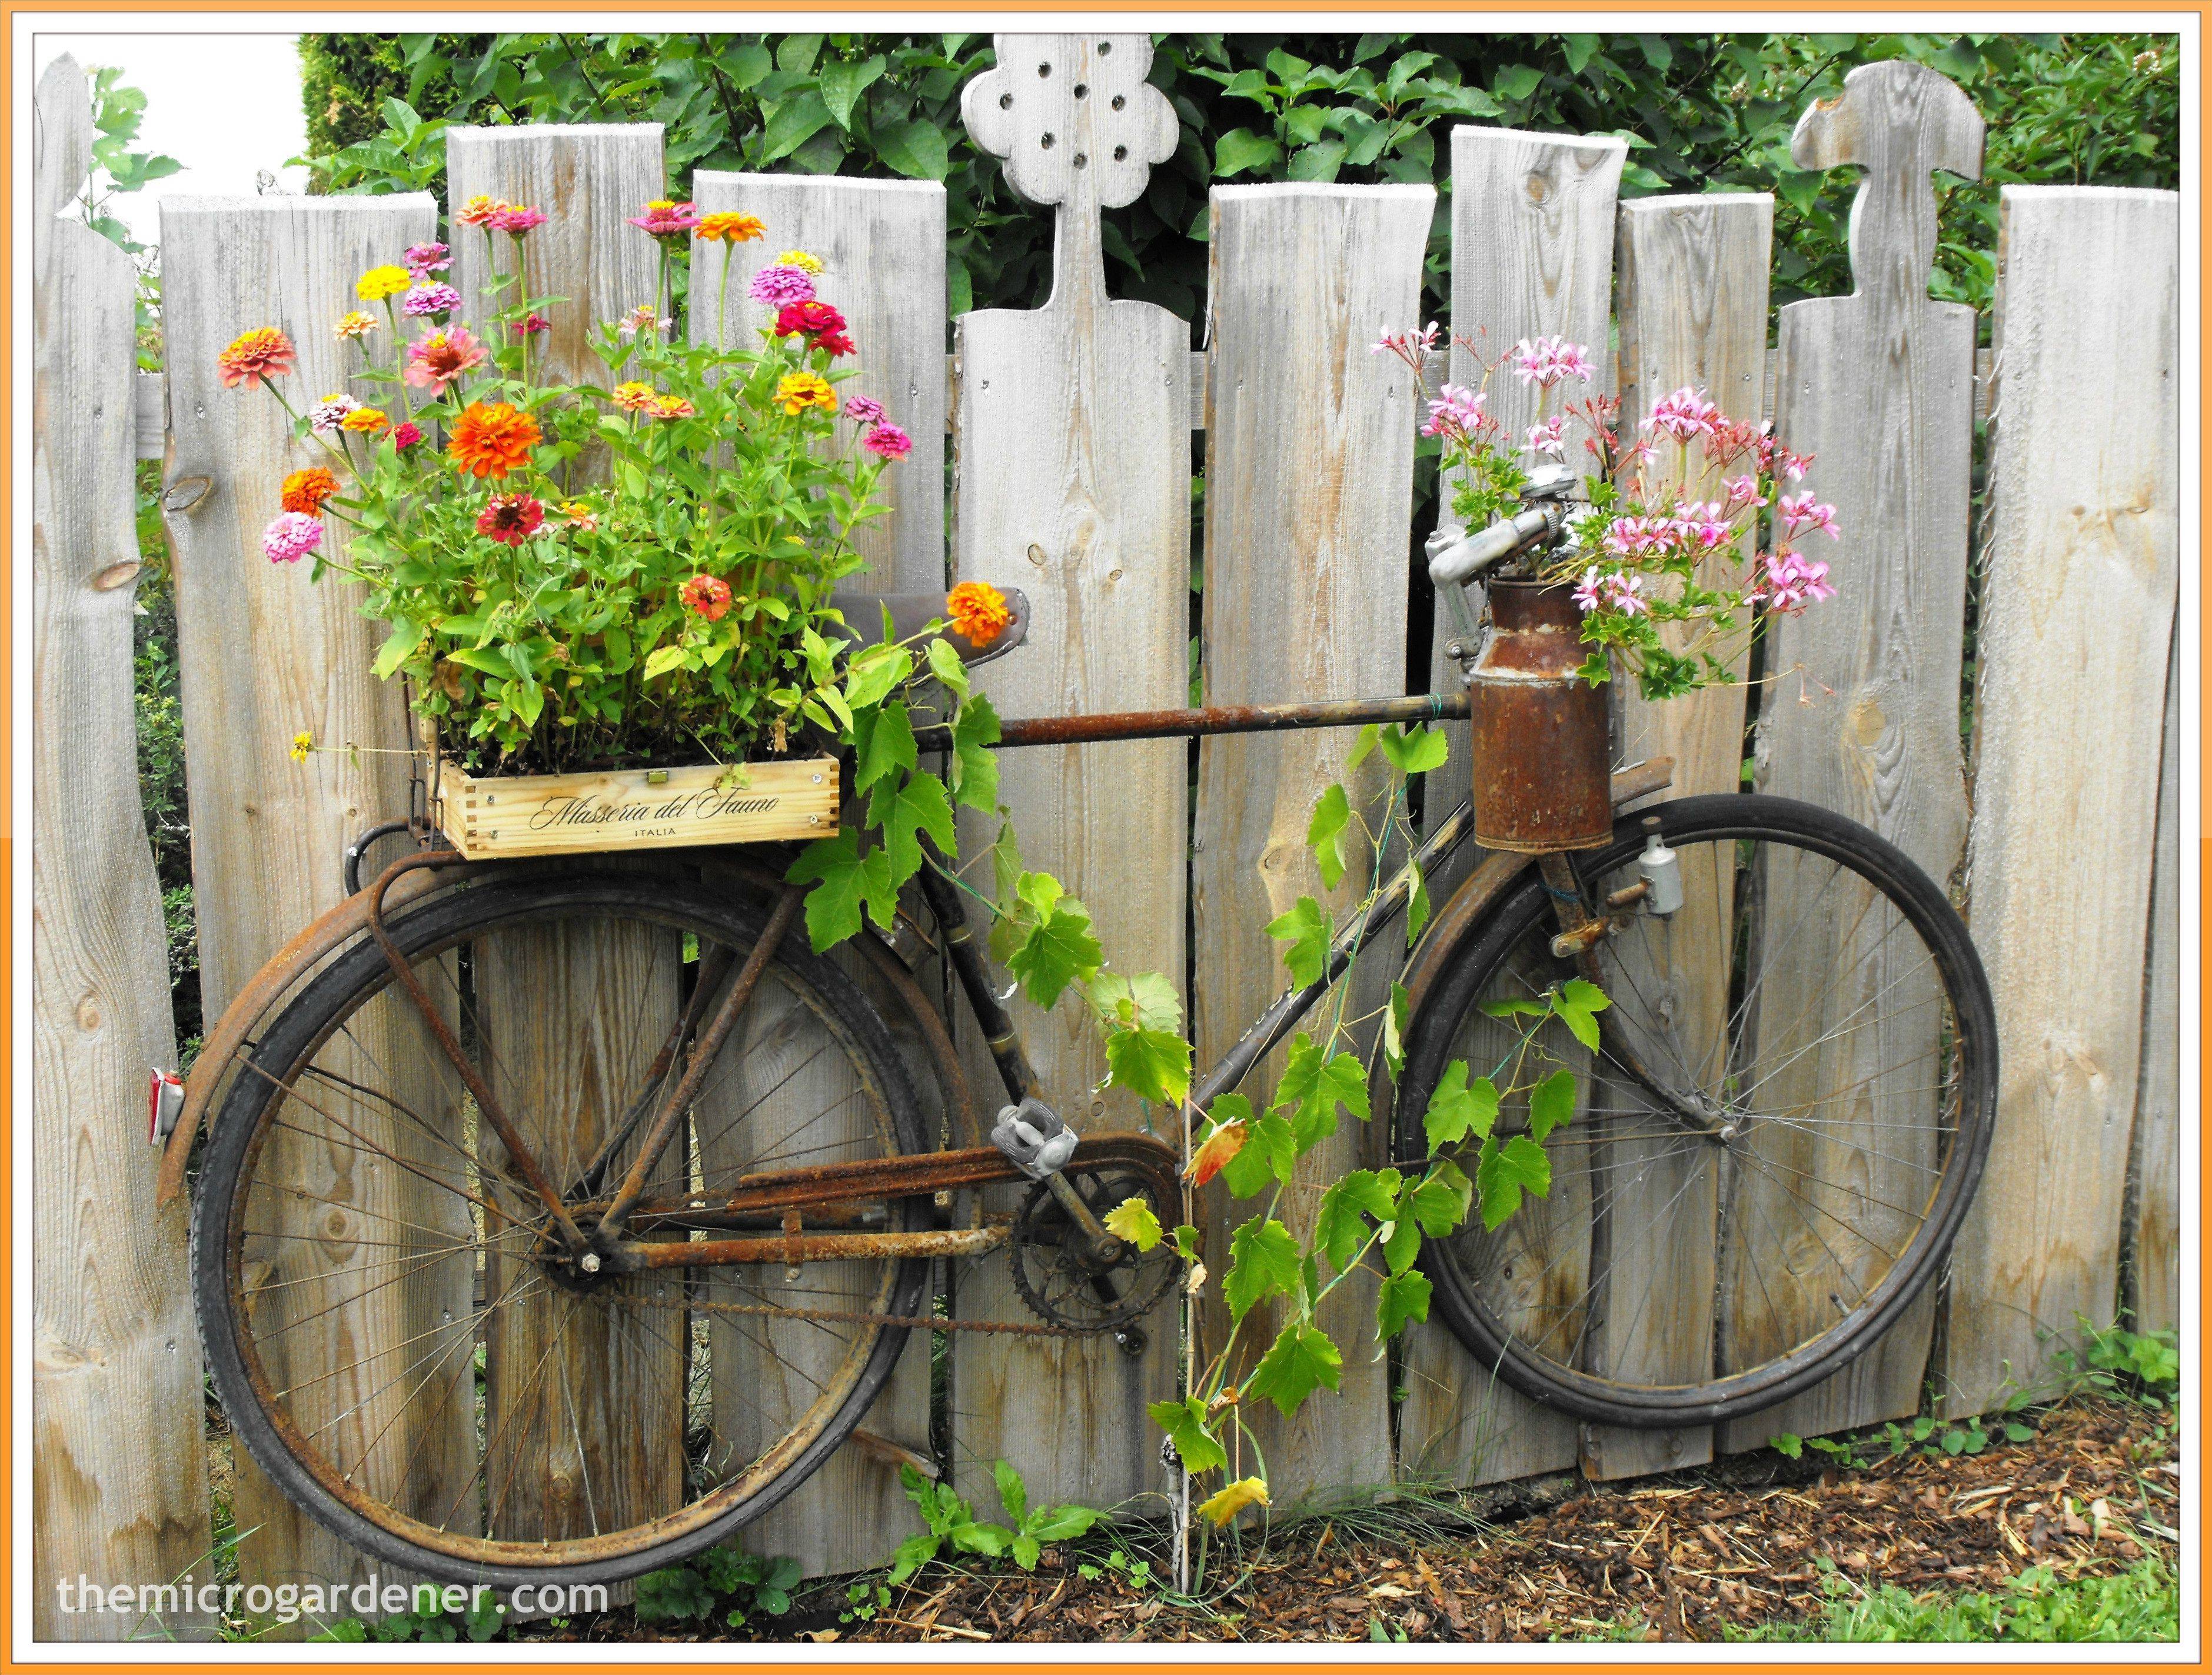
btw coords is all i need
(503, 817)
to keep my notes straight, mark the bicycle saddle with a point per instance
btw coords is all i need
(911, 612)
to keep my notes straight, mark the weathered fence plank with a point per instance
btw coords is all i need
(1692, 309)
(2076, 618)
(2154, 1279)
(1310, 465)
(543, 1363)
(1071, 478)
(882, 247)
(1862, 712)
(1532, 256)
(116, 1500)
(265, 656)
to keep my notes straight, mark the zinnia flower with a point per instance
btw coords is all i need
(889, 440)
(666, 219)
(365, 421)
(796, 391)
(302, 745)
(479, 211)
(530, 325)
(424, 259)
(492, 438)
(643, 318)
(291, 536)
(306, 491)
(865, 409)
(578, 514)
(433, 301)
(729, 226)
(814, 320)
(801, 259)
(708, 595)
(405, 434)
(358, 324)
(670, 407)
(978, 612)
(779, 283)
(435, 361)
(263, 352)
(378, 283)
(324, 417)
(510, 517)
(634, 397)
(515, 218)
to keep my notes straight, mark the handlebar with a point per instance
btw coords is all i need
(1475, 555)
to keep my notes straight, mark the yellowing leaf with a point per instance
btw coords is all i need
(1133, 1219)
(1226, 1503)
(1230, 1114)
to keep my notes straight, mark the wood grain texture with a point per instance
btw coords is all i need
(2154, 1277)
(1863, 715)
(1071, 478)
(1532, 256)
(1692, 309)
(266, 655)
(882, 247)
(1310, 487)
(119, 1475)
(2083, 557)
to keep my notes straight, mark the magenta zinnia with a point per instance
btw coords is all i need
(510, 517)
(777, 286)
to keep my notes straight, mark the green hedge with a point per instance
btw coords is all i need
(1700, 112)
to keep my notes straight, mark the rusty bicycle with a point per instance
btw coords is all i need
(557, 1218)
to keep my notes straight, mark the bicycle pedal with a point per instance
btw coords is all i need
(1033, 1138)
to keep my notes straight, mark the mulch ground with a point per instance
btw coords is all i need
(1683, 1556)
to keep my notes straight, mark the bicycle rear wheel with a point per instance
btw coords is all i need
(377, 1292)
(1774, 1143)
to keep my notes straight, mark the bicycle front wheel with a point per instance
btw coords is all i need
(1774, 1142)
(391, 1326)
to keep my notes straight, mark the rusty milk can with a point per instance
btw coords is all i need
(1542, 776)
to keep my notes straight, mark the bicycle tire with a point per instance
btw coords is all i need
(359, 978)
(1476, 1292)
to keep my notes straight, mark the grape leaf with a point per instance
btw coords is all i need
(1185, 1424)
(1551, 1104)
(1338, 1232)
(1231, 1115)
(1504, 1172)
(1458, 1108)
(1133, 1219)
(1437, 1202)
(843, 880)
(1226, 1503)
(1151, 1063)
(1306, 929)
(1402, 1297)
(1415, 750)
(918, 804)
(1325, 834)
(975, 764)
(1301, 1360)
(1268, 1153)
(945, 664)
(1263, 1259)
(884, 739)
(1051, 942)
(1312, 1087)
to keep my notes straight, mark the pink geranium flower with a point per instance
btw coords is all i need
(1802, 511)
(1684, 415)
(1544, 361)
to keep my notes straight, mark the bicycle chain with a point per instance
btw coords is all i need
(854, 1317)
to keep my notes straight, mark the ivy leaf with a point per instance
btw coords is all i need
(1457, 1109)
(1185, 1424)
(975, 764)
(1300, 1361)
(1055, 948)
(843, 880)
(1233, 1118)
(1325, 834)
(1268, 1153)
(1338, 1232)
(1315, 1086)
(885, 739)
(1263, 1259)
(1504, 1172)
(1306, 929)
(1133, 1219)
(1402, 1297)
(1552, 1104)
(1225, 1503)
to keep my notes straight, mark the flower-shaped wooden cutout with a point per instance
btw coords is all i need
(1072, 116)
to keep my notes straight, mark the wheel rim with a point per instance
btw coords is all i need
(1673, 1276)
(390, 1308)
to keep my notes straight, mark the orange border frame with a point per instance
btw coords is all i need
(18, 89)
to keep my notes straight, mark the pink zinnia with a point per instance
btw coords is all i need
(326, 415)
(291, 537)
(531, 326)
(405, 434)
(510, 517)
(423, 260)
(779, 286)
(435, 301)
(434, 362)
(889, 440)
(667, 220)
(865, 409)
(1686, 414)
(516, 218)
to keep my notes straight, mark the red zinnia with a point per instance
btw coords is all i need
(510, 517)
(405, 434)
(708, 595)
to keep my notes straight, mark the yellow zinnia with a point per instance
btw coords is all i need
(729, 226)
(799, 259)
(378, 283)
(365, 421)
(796, 391)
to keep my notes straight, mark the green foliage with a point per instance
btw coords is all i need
(482, 1619)
(117, 111)
(2141, 1603)
(722, 1581)
(1702, 112)
(949, 1525)
(1934, 1437)
(2145, 1365)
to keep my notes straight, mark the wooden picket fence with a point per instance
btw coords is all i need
(1072, 431)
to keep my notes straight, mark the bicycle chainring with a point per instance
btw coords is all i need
(1064, 1291)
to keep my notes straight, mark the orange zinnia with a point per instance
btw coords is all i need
(490, 438)
(729, 225)
(978, 612)
(263, 352)
(306, 491)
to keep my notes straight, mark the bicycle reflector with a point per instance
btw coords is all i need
(165, 1099)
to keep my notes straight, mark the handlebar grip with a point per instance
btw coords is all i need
(1468, 559)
